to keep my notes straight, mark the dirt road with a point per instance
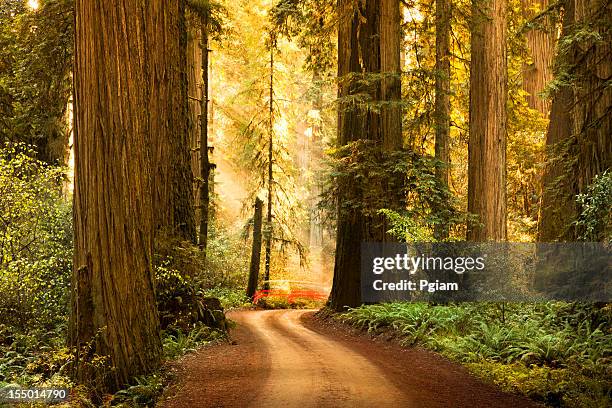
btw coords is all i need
(286, 358)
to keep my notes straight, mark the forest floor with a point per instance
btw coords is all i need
(290, 358)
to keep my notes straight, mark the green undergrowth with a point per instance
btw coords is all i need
(36, 252)
(282, 302)
(230, 298)
(42, 360)
(38, 358)
(556, 353)
(177, 343)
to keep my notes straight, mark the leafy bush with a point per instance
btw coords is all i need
(595, 220)
(225, 265)
(227, 259)
(230, 298)
(282, 302)
(177, 342)
(144, 393)
(189, 284)
(33, 358)
(555, 387)
(557, 353)
(35, 240)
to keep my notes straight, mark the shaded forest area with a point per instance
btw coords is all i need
(161, 161)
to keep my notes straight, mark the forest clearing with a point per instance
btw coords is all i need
(313, 203)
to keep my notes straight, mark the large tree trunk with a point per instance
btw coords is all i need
(346, 287)
(558, 204)
(370, 46)
(487, 143)
(114, 314)
(442, 106)
(173, 198)
(391, 98)
(540, 45)
(204, 161)
(581, 120)
(593, 95)
(391, 84)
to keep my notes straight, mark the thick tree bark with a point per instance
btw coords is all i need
(442, 107)
(487, 143)
(255, 250)
(204, 161)
(558, 203)
(173, 199)
(346, 287)
(540, 45)
(391, 84)
(114, 314)
(368, 43)
(593, 94)
(581, 119)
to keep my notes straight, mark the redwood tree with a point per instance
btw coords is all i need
(390, 67)
(369, 68)
(540, 45)
(557, 195)
(119, 111)
(167, 68)
(487, 142)
(442, 106)
(578, 139)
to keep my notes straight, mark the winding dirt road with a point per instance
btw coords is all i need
(309, 370)
(287, 358)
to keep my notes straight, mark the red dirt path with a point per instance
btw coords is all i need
(288, 358)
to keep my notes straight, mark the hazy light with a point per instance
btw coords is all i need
(314, 114)
(281, 129)
(33, 4)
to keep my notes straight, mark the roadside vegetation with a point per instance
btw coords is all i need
(559, 354)
(556, 353)
(35, 270)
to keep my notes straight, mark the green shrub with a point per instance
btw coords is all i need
(555, 387)
(282, 302)
(177, 342)
(144, 393)
(226, 263)
(227, 259)
(230, 298)
(185, 279)
(35, 241)
(595, 220)
(32, 358)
